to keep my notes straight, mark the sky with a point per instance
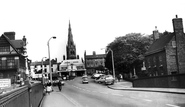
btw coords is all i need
(94, 23)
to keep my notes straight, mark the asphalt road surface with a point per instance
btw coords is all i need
(99, 95)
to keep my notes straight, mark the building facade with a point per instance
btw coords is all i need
(12, 57)
(94, 62)
(166, 55)
(40, 68)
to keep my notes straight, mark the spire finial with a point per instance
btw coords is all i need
(155, 27)
(69, 23)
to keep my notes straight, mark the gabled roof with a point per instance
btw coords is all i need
(159, 45)
(8, 40)
(17, 43)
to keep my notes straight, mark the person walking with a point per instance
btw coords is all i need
(60, 85)
(48, 87)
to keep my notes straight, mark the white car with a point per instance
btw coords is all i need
(94, 76)
(109, 79)
(85, 80)
(100, 79)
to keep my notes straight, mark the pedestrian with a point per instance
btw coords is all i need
(60, 85)
(48, 87)
(121, 77)
(118, 78)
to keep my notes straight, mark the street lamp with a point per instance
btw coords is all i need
(54, 37)
(42, 71)
(113, 70)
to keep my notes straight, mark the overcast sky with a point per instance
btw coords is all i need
(94, 23)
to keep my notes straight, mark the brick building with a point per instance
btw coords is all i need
(165, 59)
(94, 62)
(166, 55)
(39, 66)
(12, 58)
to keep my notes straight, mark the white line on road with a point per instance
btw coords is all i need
(103, 92)
(117, 94)
(147, 100)
(172, 105)
(133, 97)
(71, 100)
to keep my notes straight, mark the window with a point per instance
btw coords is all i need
(10, 62)
(174, 44)
(154, 60)
(148, 60)
(0, 63)
(160, 61)
(1, 75)
(4, 49)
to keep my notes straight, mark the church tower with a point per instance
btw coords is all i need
(71, 47)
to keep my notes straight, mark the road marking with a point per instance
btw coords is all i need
(117, 94)
(72, 101)
(172, 105)
(147, 100)
(103, 92)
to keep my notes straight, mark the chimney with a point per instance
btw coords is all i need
(64, 57)
(155, 34)
(94, 53)
(177, 25)
(10, 35)
(24, 40)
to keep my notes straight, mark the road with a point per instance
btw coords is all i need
(98, 95)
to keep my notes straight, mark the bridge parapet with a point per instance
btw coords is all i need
(25, 96)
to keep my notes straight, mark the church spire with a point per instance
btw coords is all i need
(70, 48)
(70, 35)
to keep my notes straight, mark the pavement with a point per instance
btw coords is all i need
(58, 99)
(126, 85)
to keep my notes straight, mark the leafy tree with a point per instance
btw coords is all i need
(128, 52)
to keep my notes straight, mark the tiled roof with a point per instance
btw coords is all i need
(9, 41)
(96, 56)
(159, 44)
(17, 43)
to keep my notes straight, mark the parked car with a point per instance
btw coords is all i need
(85, 80)
(55, 82)
(109, 79)
(100, 79)
(95, 76)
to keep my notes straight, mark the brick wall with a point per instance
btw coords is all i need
(171, 57)
(157, 67)
(180, 40)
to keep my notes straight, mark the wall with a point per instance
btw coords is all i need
(23, 96)
(167, 81)
(156, 64)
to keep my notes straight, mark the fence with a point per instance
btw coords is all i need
(25, 96)
(168, 81)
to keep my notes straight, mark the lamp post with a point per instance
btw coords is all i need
(43, 71)
(54, 37)
(112, 63)
(112, 56)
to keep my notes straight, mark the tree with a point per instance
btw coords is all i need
(128, 52)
